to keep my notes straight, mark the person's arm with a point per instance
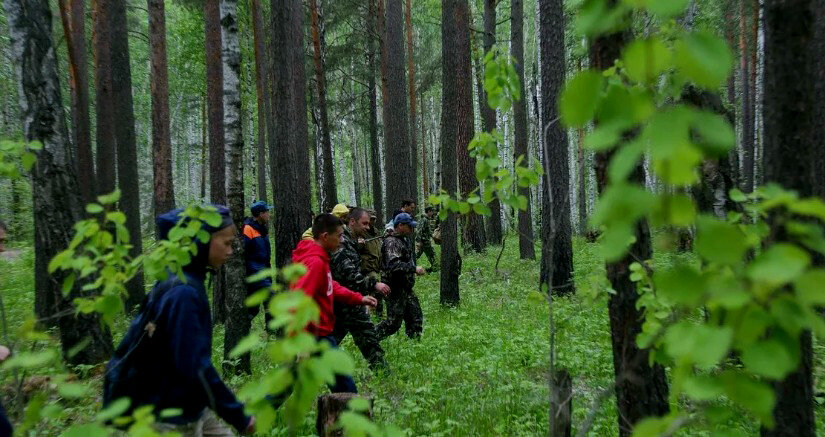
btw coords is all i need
(192, 355)
(345, 296)
(348, 273)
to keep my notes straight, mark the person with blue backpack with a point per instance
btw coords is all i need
(165, 359)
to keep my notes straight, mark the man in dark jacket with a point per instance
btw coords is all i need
(399, 270)
(257, 251)
(165, 359)
(346, 269)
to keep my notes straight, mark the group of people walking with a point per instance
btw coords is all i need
(165, 360)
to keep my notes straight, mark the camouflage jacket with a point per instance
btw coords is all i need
(345, 264)
(371, 256)
(424, 231)
(397, 262)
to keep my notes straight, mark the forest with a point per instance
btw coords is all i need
(591, 217)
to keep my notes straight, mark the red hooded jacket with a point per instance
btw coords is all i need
(319, 285)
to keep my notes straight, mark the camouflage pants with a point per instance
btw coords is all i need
(430, 252)
(355, 320)
(209, 425)
(402, 306)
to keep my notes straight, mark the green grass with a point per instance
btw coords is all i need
(479, 369)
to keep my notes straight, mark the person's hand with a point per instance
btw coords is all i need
(382, 288)
(250, 429)
(420, 271)
(362, 241)
(4, 353)
(369, 301)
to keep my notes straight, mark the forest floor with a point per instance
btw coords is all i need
(479, 369)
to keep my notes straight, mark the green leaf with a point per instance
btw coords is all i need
(810, 287)
(718, 241)
(779, 264)
(755, 396)
(645, 59)
(86, 430)
(681, 284)
(247, 344)
(703, 345)
(358, 404)
(115, 409)
(482, 209)
(27, 159)
(737, 195)
(108, 199)
(811, 207)
(701, 387)
(666, 9)
(704, 59)
(72, 390)
(171, 412)
(580, 97)
(94, 208)
(28, 360)
(624, 161)
(769, 358)
(716, 136)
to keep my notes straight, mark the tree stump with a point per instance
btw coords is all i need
(561, 405)
(330, 407)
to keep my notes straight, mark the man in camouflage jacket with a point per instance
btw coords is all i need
(370, 251)
(346, 269)
(399, 270)
(423, 238)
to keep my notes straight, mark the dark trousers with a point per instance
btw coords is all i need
(355, 320)
(430, 252)
(402, 306)
(253, 311)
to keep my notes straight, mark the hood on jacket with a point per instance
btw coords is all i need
(200, 262)
(308, 249)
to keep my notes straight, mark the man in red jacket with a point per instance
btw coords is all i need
(319, 285)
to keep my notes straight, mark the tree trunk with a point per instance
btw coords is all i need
(217, 148)
(104, 103)
(329, 186)
(237, 316)
(561, 405)
(74, 30)
(413, 103)
(747, 107)
(285, 167)
(425, 177)
(204, 145)
(124, 119)
(164, 199)
(488, 114)
(559, 258)
(582, 181)
(330, 407)
(456, 126)
(375, 160)
(56, 198)
(525, 217)
(261, 87)
(396, 133)
(791, 56)
(641, 389)
(299, 119)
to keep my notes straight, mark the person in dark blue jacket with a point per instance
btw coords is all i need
(165, 359)
(257, 251)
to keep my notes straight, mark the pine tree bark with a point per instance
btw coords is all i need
(525, 217)
(582, 181)
(104, 103)
(455, 22)
(299, 95)
(557, 259)
(329, 186)
(488, 114)
(237, 316)
(425, 177)
(791, 56)
(285, 167)
(124, 118)
(164, 198)
(641, 389)
(56, 198)
(73, 16)
(399, 183)
(413, 103)
(747, 107)
(375, 158)
(261, 87)
(217, 147)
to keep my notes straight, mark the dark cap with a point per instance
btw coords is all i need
(259, 207)
(404, 219)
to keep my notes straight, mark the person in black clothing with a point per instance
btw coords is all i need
(6, 429)
(257, 252)
(165, 359)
